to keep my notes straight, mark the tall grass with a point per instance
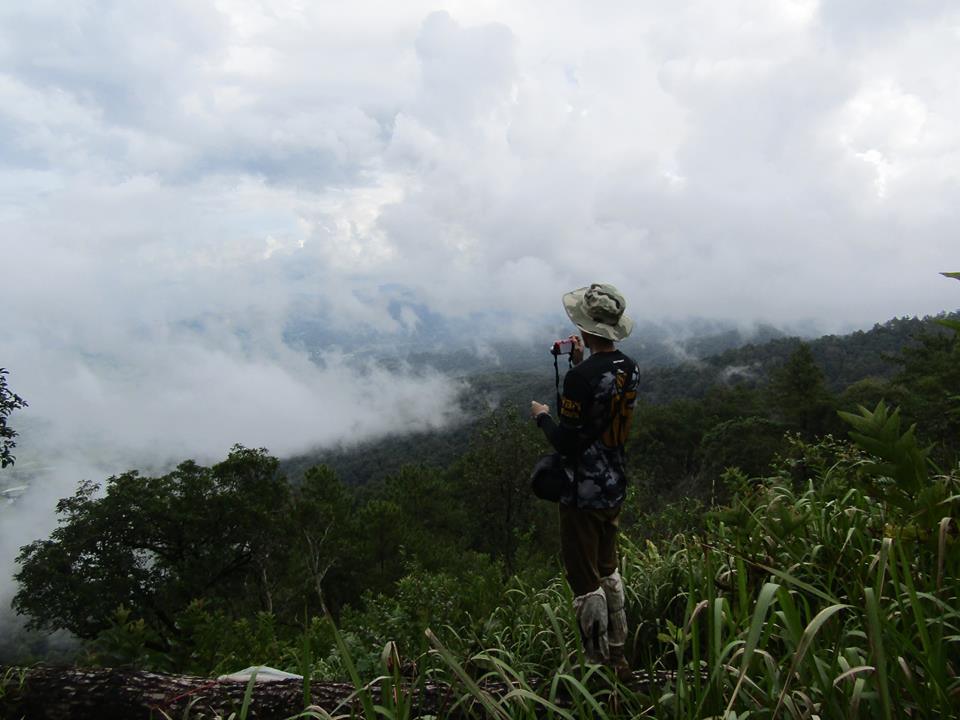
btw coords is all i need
(798, 602)
(809, 596)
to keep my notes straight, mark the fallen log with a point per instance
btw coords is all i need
(48, 693)
(69, 693)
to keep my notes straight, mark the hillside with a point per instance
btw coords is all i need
(843, 359)
(672, 371)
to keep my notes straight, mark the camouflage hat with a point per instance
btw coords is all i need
(598, 310)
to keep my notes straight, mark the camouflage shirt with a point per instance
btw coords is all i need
(597, 404)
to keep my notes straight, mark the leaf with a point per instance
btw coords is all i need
(247, 696)
(767, 595)
(362, 690)
(488, 703)
(852, 673)
(901, 457)
(875, 633)
(808, 635)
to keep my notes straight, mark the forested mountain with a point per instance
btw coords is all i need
(452, 349)
(672, 372)
(843, 359)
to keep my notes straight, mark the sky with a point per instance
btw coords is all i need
(181, 181)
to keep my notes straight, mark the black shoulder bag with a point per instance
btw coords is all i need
(551, 477)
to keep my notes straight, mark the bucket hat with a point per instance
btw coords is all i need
(598, 310)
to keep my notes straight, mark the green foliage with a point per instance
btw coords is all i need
(431, 516)
(11, 683)
(212, 643)
(844, 360)
(794, 600)
(158, 544)
(745, 443)
(665, 446)
(930, 380)
(9, 401)
(420, 600)
(326, 535)
(494, 481)
(868, 392)
(127, 642)
(682, 516)
(802, 608)
(901, 471)
(799, 395)
(383, 520)
(952, 323)
(810, 583)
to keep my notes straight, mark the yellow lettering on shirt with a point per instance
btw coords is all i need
(570, 408)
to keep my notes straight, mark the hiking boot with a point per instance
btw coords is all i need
(591, 612)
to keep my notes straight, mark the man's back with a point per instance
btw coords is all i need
(598, 399)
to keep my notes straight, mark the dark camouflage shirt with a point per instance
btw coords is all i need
(597, 404)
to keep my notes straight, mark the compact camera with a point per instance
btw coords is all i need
(562, 347)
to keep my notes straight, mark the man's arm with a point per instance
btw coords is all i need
(565, 435)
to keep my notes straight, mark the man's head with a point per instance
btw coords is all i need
(598, 310)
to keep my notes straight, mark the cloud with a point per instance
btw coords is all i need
(699, 155)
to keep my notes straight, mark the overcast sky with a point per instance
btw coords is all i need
(180, 179)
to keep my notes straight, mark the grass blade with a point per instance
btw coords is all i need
(764, 601)
(482, 696)
(248, 696)
(875, 634)
(809, 633)
(362, 690)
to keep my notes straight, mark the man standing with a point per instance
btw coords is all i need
(599, 395)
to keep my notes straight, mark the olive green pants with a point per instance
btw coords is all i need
(588, 546)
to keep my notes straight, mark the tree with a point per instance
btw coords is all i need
(324, 520)
(664, 450)
(495, 482)
(745, 443)
(383, 520)
(158, 544)
(434, 515)
(9, 401)
(930, 381)
(799, 396)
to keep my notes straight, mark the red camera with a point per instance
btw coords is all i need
(562, 347)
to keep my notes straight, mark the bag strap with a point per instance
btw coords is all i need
(556, 373)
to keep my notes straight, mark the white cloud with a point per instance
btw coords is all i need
(440, 151)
